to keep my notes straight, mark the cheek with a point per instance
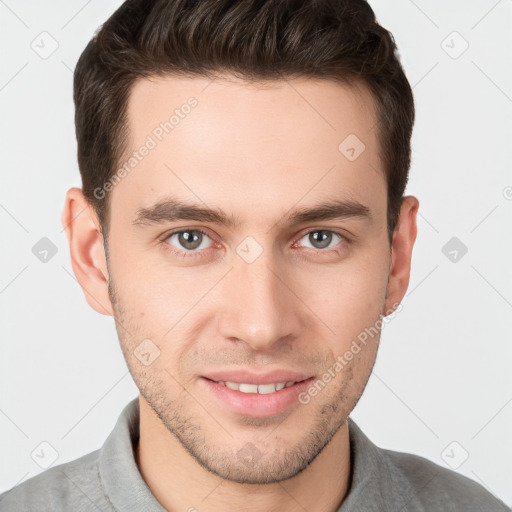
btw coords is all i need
(164, 304)
(150, 288)
(347, 297)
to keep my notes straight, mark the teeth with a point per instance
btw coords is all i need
(262, 389)
(248, 388)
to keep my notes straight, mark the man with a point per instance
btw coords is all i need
(242, 218)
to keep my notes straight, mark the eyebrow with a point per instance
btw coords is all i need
(172, 209)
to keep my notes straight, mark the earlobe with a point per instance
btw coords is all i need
(86, 250)
(404, 237)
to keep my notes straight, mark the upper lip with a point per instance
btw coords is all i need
(248, 377)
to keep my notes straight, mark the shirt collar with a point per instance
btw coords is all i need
(377, 485)
(123, 484)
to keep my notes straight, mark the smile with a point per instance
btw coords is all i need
(262, 389)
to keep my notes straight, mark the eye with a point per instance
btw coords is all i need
(191, 242)
(188, 240)
(322, 238)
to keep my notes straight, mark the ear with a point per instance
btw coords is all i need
(402, 243)
(88, 259)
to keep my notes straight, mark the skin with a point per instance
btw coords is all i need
(257, 152)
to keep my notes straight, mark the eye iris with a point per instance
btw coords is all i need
(190, 241)
(323, 238)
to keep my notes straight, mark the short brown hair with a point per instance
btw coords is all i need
(256, 40)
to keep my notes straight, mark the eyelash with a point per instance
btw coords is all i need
(192, 254)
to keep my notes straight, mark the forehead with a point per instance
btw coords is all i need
(303, 109)
(249, 145)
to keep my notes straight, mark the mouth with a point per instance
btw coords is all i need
(262, 389)
(256, 399)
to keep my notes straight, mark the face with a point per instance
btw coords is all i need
(247, 245)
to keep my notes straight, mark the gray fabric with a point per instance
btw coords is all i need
(382, 481)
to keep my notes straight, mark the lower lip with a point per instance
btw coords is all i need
(254, 404)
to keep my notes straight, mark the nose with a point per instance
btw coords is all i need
(259, 305)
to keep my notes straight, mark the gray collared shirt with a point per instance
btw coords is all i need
(381, 481)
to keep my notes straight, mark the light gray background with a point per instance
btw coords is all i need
(441, 387)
